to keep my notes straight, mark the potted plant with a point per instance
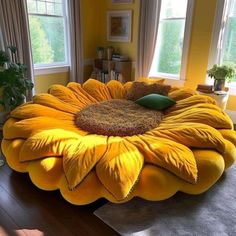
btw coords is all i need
(13, 83)
(221, 74)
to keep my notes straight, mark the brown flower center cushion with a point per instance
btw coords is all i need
(117, 117)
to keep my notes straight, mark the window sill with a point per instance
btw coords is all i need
(51, 70)
(170, 79)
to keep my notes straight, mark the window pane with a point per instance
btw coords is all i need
(58, 9)
(49, 7)
(170, 39)
(169, 46)
(31, 4)
(47, 39)
(229, 51)
(41, 7)
(173, 8)
(233, 9)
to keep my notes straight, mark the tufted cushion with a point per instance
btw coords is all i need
(140, 89)
(156, 101)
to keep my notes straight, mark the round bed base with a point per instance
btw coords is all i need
(188, 151)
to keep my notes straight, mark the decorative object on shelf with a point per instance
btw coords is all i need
(119, 26)
(100, 52)
(13, 82)
(118, 57)
(221, 74)
(122, 1)
(110, 51)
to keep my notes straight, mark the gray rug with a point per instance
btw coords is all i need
(210, 214)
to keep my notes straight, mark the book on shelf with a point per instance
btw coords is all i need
(120, 58)
(205, 88)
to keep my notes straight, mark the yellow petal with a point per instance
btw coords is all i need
(151, 80)
(116, 89)
(191, 101)
(97, 90)
(170, 155)
(200, 105)
(79, 160)
(66, 95)
(25, 128)
(35, 110)
(206, 116)
(182, 93)
(11, 150)
(191, 135)
(127, 86)
(229, 135)
(47, 143)
(49, 100)
(120, 167)
(80, 92)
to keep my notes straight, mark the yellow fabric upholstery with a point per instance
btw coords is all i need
(187, 152)
(151, 80)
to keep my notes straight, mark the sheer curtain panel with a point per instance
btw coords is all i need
(15, 31)
(76, 44)
(148, 26)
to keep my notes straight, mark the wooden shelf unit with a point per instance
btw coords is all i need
(122, 68)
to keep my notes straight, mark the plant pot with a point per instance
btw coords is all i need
(219, 84)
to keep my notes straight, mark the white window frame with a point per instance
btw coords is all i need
(186, 42)
(56, 67)
(217, 40)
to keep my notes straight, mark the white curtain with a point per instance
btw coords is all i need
(148, 28)
(15, 31)
(76, 44)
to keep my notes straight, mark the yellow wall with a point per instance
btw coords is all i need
(124, 48)
(94, 14)
(43, 82)
(231, 105)
(202, 25)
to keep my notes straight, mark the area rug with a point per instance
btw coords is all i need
(212, 213)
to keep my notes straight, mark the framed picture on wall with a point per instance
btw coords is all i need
(122, 1)
(119, 26)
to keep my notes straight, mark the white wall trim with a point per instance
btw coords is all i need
(51, 70)
(59, 69)
(232, 115)
(186, 42)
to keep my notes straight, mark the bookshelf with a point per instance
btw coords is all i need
(106, 70)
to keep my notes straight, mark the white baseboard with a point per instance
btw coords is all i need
(232, 115)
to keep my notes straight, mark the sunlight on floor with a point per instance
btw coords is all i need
(31, 232)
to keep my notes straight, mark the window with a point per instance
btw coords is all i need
(223, 48)
(172, 40)
(48, 32)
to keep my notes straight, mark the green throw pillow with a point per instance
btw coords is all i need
(155, 101)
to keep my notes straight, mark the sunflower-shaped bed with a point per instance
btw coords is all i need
(90, 142)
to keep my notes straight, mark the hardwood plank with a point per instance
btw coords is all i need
(58, 216)
(7, 225)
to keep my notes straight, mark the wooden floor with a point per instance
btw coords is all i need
(27, 210)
